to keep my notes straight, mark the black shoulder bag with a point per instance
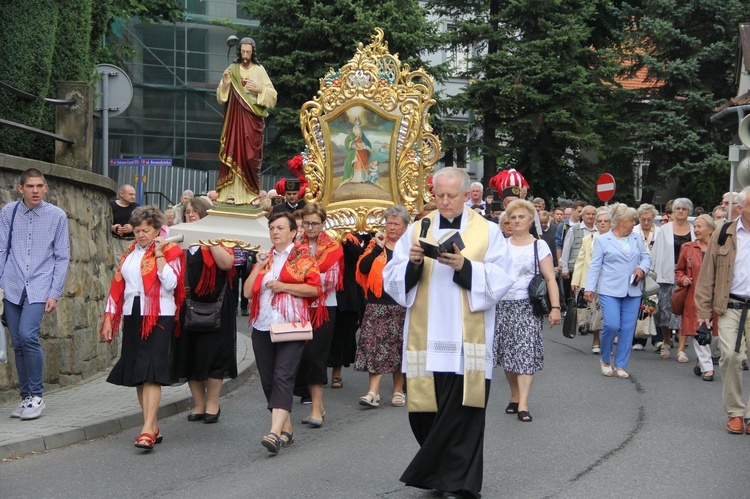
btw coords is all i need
(538, 289)
(204, 317)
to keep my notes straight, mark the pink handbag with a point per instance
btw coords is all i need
(291, 331)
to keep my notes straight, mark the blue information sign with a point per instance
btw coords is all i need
(125, 162)
(156, 161)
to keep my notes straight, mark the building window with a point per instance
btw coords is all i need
(195, 7)
(459, 56)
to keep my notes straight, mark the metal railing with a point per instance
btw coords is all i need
(31, 98)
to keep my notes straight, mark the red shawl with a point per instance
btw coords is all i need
(207, 282)
(372, 282)
(151, 288)
(300, 268)
(329, 255)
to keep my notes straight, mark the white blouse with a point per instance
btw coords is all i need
(523, 264)
(269, 314)
(131, 273)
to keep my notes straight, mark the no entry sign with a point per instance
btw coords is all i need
(605, 187)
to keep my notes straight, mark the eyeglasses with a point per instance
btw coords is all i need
(311, 225)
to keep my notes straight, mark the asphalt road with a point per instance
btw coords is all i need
(659, 434)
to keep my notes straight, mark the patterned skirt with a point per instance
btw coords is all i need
(665, 317)
(518, 337)
(381, 339)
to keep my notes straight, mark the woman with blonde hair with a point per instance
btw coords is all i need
(518, 344)
(686, 275)
(618, 264)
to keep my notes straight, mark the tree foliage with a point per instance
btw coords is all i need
(539, 72)
(299, 41)
(544, 101)
(690, 48)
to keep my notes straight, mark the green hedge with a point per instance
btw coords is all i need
(48, 42)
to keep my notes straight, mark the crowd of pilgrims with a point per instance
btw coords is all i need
(337, 285)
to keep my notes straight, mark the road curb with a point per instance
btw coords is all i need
(65, 436)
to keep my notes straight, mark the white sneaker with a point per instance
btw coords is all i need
(596, 350)
(33, 409)
(637, 347)
(16, 413)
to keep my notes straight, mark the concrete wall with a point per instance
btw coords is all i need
(70, 335)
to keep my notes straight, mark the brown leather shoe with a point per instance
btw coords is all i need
(747, 430)
(736, 425)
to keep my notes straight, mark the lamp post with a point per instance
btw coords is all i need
(734, 159)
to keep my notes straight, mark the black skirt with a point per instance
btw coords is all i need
(198, 355)
(344, 341)
(143, 361)
(313, 365)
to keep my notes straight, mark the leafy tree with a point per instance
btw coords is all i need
(299, 41)
(690, 48)
(539, 72)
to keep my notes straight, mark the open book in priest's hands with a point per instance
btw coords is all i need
(444, 245)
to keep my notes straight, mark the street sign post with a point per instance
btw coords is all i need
(140, 162)
(605, 187)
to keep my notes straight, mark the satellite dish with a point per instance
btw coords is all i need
(120, 90)
(743, 172)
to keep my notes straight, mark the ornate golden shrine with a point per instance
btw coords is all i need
(369, 143)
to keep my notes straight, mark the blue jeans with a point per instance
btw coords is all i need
(620, 315)
(24, 322)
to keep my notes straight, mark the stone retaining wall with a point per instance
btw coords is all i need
(70, 335)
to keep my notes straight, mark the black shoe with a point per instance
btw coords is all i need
(245, 312)
(708, 377)
(195, 417)
(212, 418)
(697, 370)
(305, 400)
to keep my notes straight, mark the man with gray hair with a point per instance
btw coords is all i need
(476, 190)
(734, 206)
(448, 335)
(187, 195)
(723, 289)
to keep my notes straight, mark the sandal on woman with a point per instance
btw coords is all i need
(682, 357)
(289, 439)
(159, 436)
(524, 416)
(370, 400)
(621, 373)
(337, 383)
(665, 350)
(398, 400)
(145, 441)
(606, 370)
(272, 442)
(512, 408)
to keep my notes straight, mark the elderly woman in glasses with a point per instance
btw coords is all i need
(329, 255)
(382, 329)
(665, 253)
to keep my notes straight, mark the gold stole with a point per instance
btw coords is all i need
(256, 108)
(421, 382)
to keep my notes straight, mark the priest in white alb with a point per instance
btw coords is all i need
(448, 336)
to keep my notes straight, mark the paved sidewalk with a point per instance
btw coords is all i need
(95, 408)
